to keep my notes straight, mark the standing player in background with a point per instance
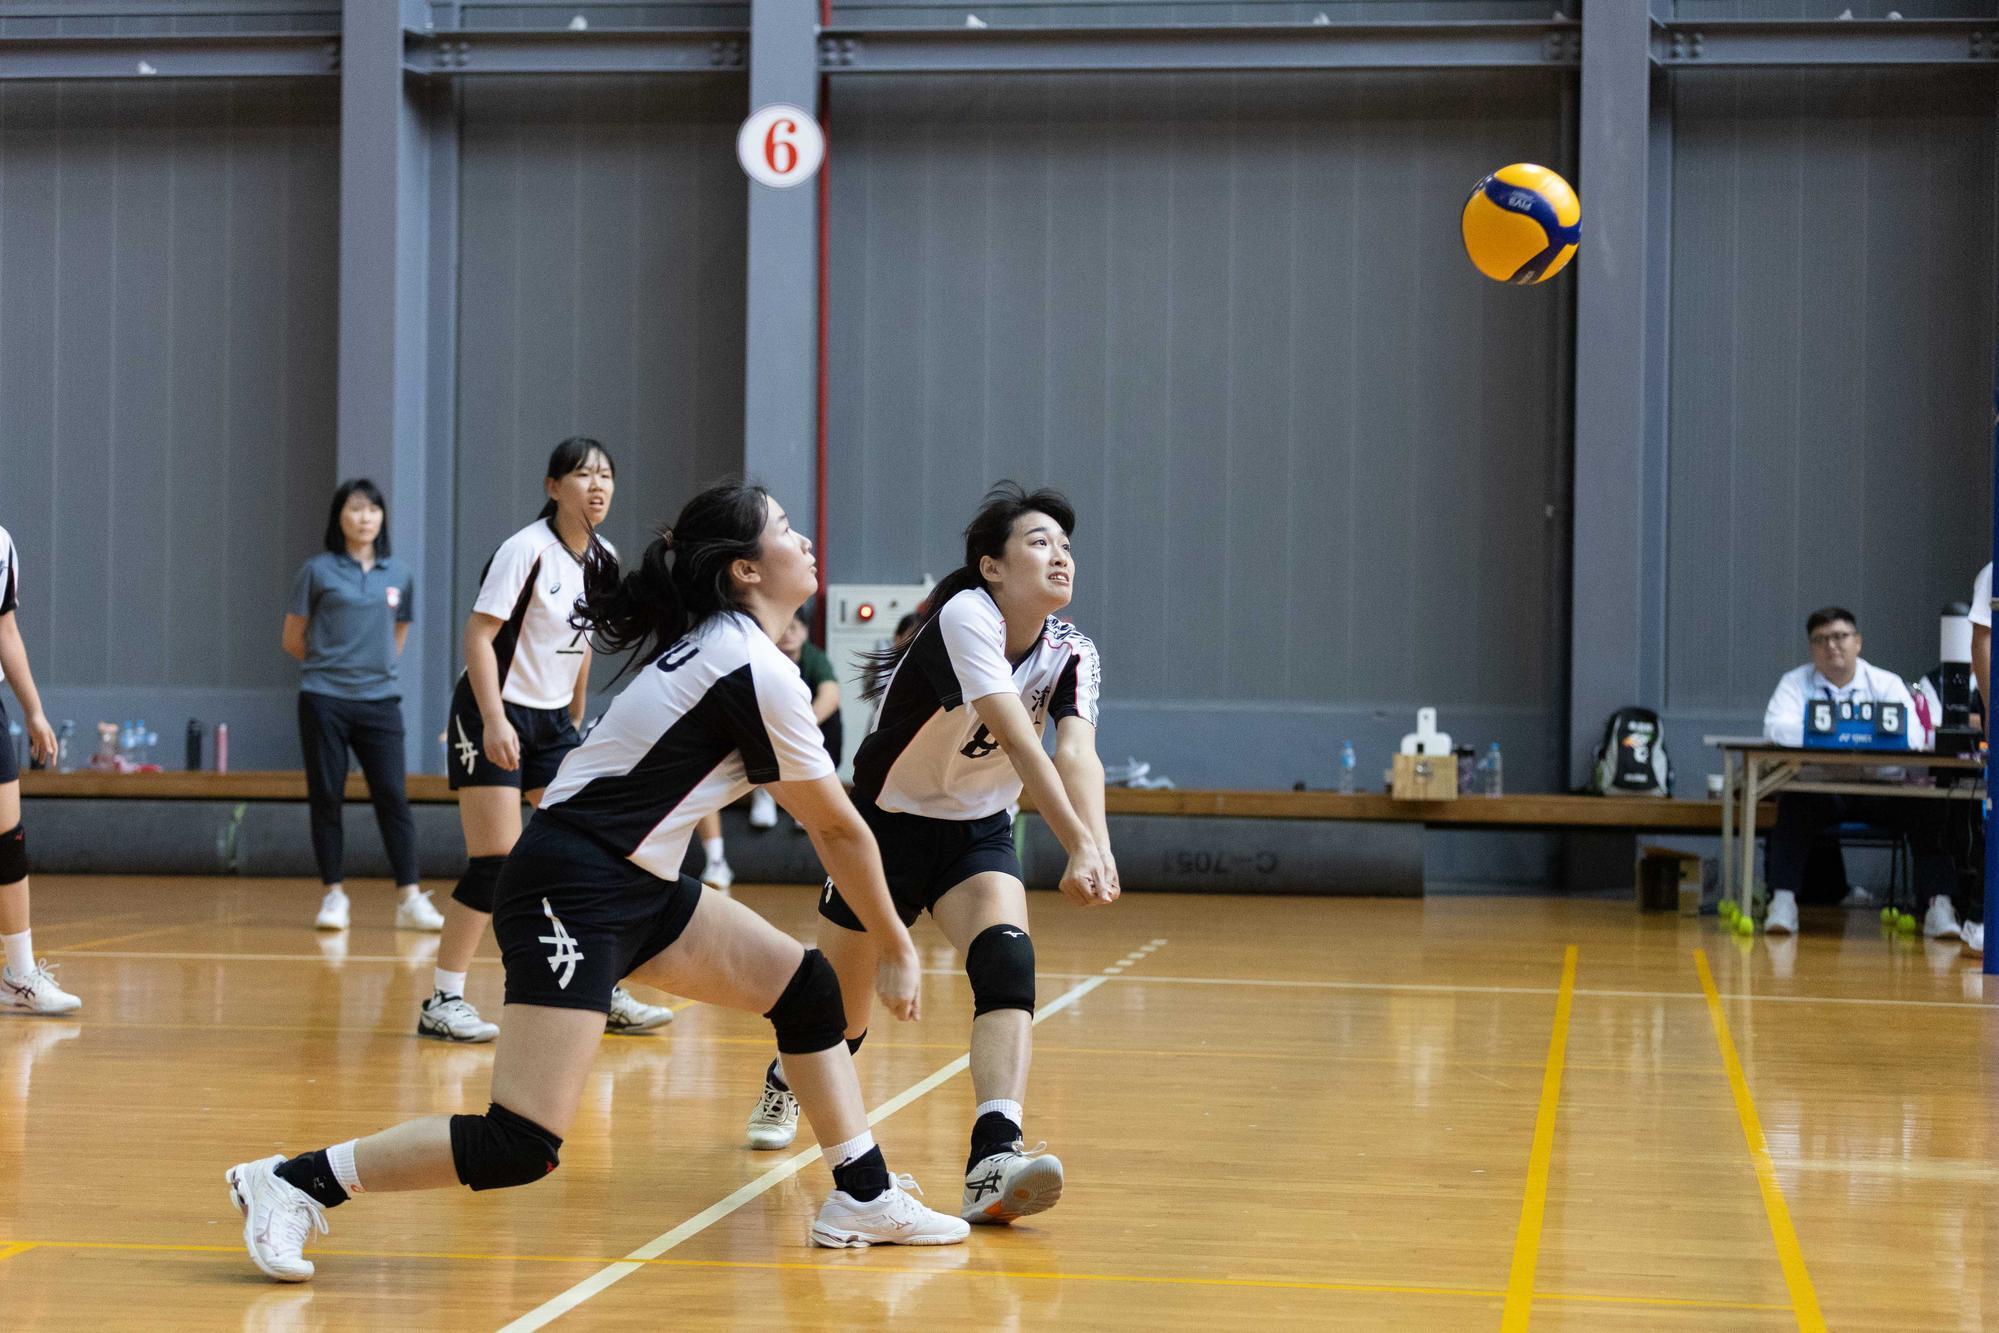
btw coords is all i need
(515, 714)
(963, 703)
(594, 890)
(349, 618)
(26, 985)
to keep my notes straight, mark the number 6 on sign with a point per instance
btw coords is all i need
(781, 146)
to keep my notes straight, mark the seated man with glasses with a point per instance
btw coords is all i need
(1837, 673)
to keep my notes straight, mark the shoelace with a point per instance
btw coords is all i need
(44, 971)
(302, 1217)
(772, 1106)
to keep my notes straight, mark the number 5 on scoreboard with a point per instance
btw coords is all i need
(781, 146)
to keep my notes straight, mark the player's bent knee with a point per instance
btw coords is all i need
(809, 1016)
(14, 854)
(1000, 964)
(477, 885)
(500, 1149)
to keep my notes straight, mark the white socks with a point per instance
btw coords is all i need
(341, 1158)
(451, 983)
(1011, 1110)
(842, 1153)
(712, 849)
(20, 952)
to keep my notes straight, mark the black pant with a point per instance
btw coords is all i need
(373, 729)
(1802, 816)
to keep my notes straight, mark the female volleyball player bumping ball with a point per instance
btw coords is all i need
(592, 891)
(958, 736)
(515, 714)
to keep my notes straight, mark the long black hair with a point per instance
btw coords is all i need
(336, 540)
(985, 535)
(568, 457)
(681, 579)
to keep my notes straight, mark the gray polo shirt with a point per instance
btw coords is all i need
(351, 616)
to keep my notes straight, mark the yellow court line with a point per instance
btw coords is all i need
(1804, 1300)
(9, 1251)
(871, 1268)
(1527, 1241)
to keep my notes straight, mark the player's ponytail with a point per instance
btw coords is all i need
(681, 579)
(986, 535)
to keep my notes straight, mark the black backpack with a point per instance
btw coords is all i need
(1632, 760)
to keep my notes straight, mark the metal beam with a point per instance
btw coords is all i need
(612, 51)
(1553, 44)
(171, 56)
(1741, 43)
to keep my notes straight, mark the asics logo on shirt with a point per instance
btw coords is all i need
(566, 955)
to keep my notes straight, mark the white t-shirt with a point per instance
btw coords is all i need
(10, 578)
(928, 753)
(720, 710)
(1981, 597)
(531, 585)
(1784, 718)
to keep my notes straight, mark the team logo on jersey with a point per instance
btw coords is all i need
(395, 598)
(982, 744)
(467, 751)
(555, 587)
(565, 955)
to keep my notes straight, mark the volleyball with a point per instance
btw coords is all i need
(1522, 224)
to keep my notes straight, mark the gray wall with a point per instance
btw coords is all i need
(167, 284)
(600, 293)
(1832, 371)
(1314, 453)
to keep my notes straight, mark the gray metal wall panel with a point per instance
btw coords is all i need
(1831, 368)
(166, 382)
(600, 293)
(1826, 9)
(1091, 13)
(1313, 449)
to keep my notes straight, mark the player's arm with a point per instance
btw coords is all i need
(1087, 878)
(825, 700)
(1082, 774)
(482, 671)
(402, 635)
(579, 699)
(14, 662)
(292, 637)
(847, 849)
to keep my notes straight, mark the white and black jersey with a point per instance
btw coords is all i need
(10, 578)
(531, 585)
(928, 753)
(720, 710)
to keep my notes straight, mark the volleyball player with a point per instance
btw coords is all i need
(593, 890)
(963, 703)
(515, 714)
(26, 986)
(349, 616)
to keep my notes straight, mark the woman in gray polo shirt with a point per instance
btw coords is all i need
(350, 613)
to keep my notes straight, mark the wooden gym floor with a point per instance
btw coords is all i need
(1461, 1113)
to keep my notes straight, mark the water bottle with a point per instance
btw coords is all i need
(63, 733)
(222, 747)
(128, 745)
(1494, 783)
(1347, 765)
(193, 752)
(141, 754)
(152, 747)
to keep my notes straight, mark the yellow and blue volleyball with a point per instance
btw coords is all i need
(1522, 224)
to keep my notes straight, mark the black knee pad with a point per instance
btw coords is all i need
(809, 1016)
(854, 1043)
(14, 854)
(475, 886)
(1000, 964)
(499, 1149)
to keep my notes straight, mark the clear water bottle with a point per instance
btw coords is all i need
(1489, 770)
(128, 742)
(141, 754)
(63, 735)
(1347, 766)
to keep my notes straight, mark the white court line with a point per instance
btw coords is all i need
(423, 959)
(558, 1306)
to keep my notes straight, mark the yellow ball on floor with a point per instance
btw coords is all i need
(1906, 924)
(1744, 925)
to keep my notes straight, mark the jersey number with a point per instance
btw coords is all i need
(982, 744)
(678, 656)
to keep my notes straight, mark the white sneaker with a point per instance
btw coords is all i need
(718, 876)
(630, 1014)
(1940, 922)
(763, 810)
(1858, 897)
(278, 1218)
(452, 1018)
(36, 993)
(1972, 933)
(774, 1124)
(1783, 917)
(332, 911)
(1013, 1183)
(416, 913)
(893, 1217)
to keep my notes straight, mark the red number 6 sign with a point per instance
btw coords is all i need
(780, 146)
